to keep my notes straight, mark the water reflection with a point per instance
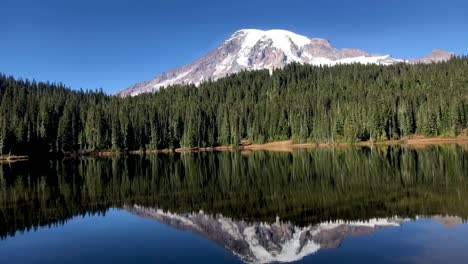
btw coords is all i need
(342, 187)
(259, 242)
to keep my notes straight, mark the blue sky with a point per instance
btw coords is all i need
(112, 44)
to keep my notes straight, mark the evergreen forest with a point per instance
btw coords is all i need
(344, 103)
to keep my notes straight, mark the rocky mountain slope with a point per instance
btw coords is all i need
(436, 55)
(252, 49)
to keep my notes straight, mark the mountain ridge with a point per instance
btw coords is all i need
(253, 49)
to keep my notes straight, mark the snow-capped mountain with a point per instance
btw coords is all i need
(252, 49)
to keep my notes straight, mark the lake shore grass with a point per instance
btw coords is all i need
(247, 146)
(290, 145)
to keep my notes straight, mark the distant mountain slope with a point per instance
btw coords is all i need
(436, 55)
(252, 49)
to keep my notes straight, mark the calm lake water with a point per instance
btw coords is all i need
(336, 205)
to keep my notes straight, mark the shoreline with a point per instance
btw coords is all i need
(289, 145)
(277, 146)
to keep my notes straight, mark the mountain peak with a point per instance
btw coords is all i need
(441, 52)
(255, 49)
(437, 55)
(321, 41)
(273, 34)
(281, 38)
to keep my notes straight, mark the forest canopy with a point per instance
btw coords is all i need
(344, 103)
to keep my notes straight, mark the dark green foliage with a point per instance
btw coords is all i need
(304, 187)
(299, 102)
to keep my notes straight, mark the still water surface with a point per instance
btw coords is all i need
(338, 205)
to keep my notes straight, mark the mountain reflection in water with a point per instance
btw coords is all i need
(266, 242)
(261, 242)
(262, 206)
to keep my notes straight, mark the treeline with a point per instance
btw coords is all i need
(300, 102)
(303, 187)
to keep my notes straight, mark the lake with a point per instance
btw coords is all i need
(387, 204)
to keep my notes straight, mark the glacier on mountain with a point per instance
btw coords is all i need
(253, 49)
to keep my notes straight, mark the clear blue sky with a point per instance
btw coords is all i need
(115, 43)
